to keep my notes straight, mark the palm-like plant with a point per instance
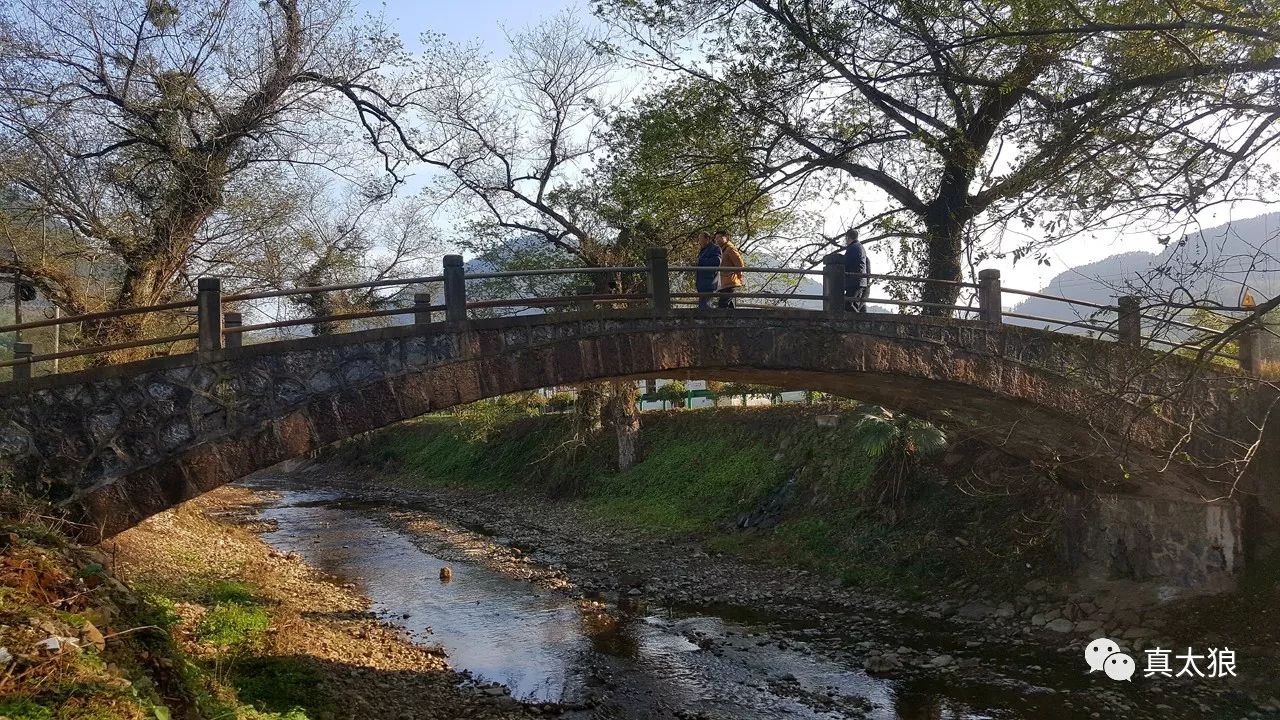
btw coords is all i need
(897, 444)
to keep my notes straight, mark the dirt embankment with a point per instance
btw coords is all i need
(366, 668)
(191, 615)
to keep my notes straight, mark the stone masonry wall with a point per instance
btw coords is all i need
(118, 444)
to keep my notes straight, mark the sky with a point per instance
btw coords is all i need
(485, 20)
(464, 20)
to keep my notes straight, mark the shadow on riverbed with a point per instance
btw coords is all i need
(626, 658)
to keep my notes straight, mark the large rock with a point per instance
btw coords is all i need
(1061, 625)
(976, 611)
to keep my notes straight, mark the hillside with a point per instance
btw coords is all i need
(1210, 265)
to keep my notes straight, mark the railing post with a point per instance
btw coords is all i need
(833, 285)
(22, 352)
(232, 320)
(209, 315)
(659, 282)
(422, 308)
(455, 289)
(1251, 350)
(1130, 323)
(989, 296)
(585, 305)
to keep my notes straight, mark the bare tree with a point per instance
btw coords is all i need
(137, 125)
(511, 135)
(323, 234)
(514, 139)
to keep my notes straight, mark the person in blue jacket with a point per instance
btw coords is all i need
(856, 264)
(707, 282)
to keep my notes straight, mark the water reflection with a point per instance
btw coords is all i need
(637, 661)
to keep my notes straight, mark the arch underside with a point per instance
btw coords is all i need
(260, 405)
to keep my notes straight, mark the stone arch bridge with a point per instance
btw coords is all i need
(119, 443)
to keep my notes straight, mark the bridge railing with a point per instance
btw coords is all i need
(217, 320)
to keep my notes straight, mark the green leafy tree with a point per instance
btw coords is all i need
(952, 119)
(715, 391)
(528, 154)
(734, 389)
(673, 392)
(677, 164)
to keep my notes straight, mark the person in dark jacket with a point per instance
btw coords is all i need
(707, 282)
(857, 287)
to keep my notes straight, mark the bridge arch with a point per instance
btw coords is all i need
(121, 443)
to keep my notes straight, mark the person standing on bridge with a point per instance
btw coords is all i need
(730, 280)
(706, 282)
(857, 266)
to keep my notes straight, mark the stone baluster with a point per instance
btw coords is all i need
(422, 308)
(659, 282)
(455, 289)
(833, 280)
(22, 352)
(1130, 323)
(990, 297)
(232, 320)
(208, 316)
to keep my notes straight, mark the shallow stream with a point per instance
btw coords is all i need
(632, 660)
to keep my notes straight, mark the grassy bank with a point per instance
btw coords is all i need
(191, 615)
(866, 500)
(76, 643)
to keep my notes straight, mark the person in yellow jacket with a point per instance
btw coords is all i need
(730, 280)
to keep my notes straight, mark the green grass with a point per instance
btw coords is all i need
(285, 686)
(231, 591)
(687, 484)
(233, 626)
(700, 470)
(24, 709)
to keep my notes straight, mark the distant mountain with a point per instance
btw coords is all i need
(1212, 265)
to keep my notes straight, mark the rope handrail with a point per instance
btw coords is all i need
(1192, 306)
(753, 295)
(749, 268)
(1189, 346)
(99, 349)
(559, 300)
(364, 314)
(1065, 323)
(799, 271)
(913, 303)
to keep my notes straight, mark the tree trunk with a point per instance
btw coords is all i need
(590, 408)
(944, 227)
(145, 282)
(625, 418)
(149, 276)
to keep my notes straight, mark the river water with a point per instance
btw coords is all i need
(631, 661)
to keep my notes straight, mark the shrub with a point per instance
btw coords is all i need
(561, 402)
(673, 392)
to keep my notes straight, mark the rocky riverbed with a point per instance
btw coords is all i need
(785, 642)
(367, 668)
